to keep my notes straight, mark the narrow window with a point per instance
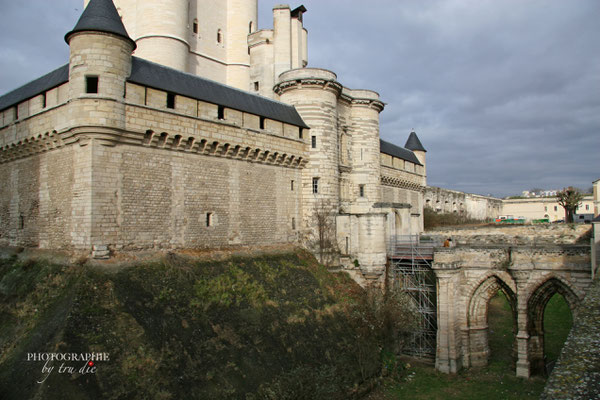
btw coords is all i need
(292, 185)
(219, 36)
(209, 219)
(91, 84)
(17, 111)
(195, 26)
(21, 221)
(347, 245)
(313, 142)
(587, 206)
(361, 190)
(145, 96)
(44, 100)
(250, 27)
(315, 185)
(300, 133)
(221, 112)
(293, 224)
(256, 86)
(262, 123)
(545, 208)
(170, 100)
(555, 208)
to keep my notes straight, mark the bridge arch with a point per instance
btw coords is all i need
(541, 292)
(476, 331)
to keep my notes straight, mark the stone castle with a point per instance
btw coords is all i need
(183, 126)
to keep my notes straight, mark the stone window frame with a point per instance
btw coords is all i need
(315, 184)
(313, 141)
(361, 190)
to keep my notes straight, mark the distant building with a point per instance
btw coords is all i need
(546, 207)
(596, 194)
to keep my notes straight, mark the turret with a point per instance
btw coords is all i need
(99, 62)
(273, 52)
(414, 144)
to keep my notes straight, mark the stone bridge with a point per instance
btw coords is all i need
(469, 275)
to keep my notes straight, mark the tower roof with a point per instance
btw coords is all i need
(100, 16)
(413, 143)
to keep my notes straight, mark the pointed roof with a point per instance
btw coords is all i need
(413, 143)
(100, 16)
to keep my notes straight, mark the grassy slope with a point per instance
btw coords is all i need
(497, 381)
(272, 327)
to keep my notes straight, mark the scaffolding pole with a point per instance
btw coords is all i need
(410, 258)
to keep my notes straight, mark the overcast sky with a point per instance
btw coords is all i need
(504, 94)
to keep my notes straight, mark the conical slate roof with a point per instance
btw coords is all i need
(100, 16)
(413, 143)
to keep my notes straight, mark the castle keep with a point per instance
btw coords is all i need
(183, 126)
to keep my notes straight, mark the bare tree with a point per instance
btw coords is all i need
(569, 198)
(324, 239)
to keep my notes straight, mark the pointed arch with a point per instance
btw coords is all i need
(476, 330)
(484, 290)
(539, 296)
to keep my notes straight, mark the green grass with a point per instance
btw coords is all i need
(497, 380)
(557, 324)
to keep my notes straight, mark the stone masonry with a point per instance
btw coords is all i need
(529, 274)
(94, 160)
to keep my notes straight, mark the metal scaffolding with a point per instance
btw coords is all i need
(410, 259)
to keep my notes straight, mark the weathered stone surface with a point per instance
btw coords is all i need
(469, 275)
(576, 375)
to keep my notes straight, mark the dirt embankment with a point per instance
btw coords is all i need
(273, 326)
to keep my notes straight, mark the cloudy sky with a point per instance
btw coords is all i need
(504, 94)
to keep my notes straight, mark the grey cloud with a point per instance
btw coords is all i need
(503, 94)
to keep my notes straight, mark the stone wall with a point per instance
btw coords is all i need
(576, 375)
(165, 199)
(516, 234)
(470, 205)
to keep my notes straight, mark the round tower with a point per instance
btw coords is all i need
(314, 92)
(161, 32)
(242, 19)
(365, 107)
(99, 63)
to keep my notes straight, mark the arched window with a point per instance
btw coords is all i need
(195, 26)
(219, 36)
